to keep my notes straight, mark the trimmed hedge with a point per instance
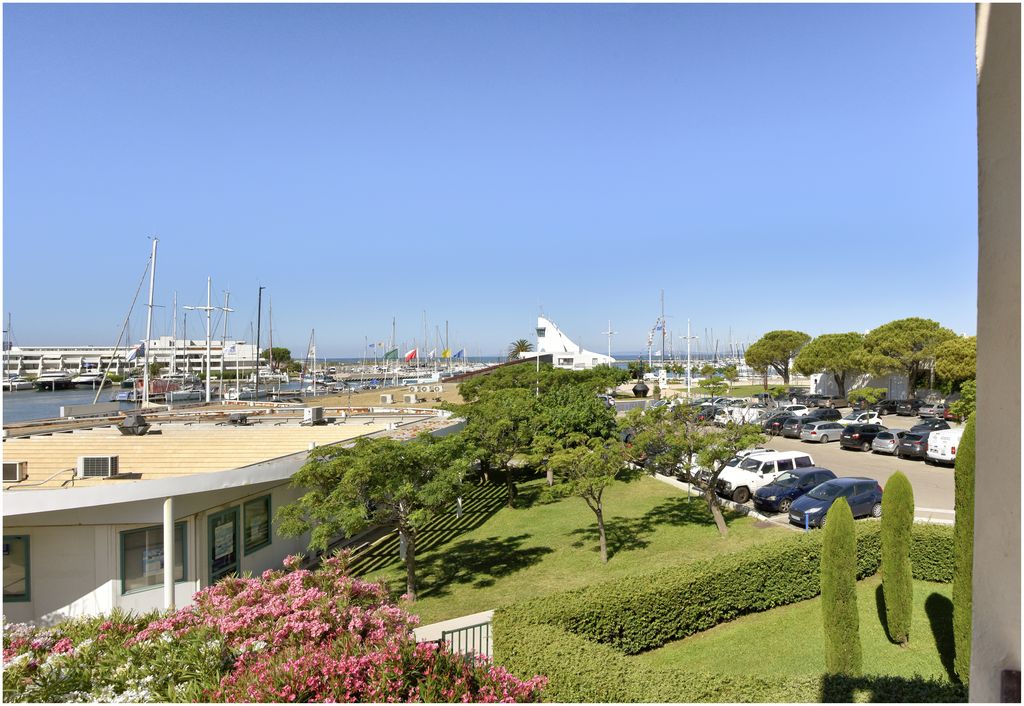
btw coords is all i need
(963, 551)
(577, 638)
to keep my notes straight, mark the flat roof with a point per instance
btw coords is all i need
(184, 447)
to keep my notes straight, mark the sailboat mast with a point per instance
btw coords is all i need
(224, 342)
(259, 313)
(174, 335)
(149, 327)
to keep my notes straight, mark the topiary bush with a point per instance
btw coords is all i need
(839, 591)
(897, 574)
(963, 552)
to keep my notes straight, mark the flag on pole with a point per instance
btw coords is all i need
(391, 354)
(446, 353)
(410, 355)
(459, 353)
(432, 354)
(136, 352)
(373, 345)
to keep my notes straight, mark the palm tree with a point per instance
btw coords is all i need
(517, 347)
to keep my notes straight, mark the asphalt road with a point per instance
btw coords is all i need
(933, 484)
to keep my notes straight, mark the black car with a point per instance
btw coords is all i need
(791, 427)
(859, 436)
(812, 400)
(909, 408)
(707, 413)
(824, 415)
(885, 407)
(773, 424)
(933, 424)
(913, 445)
(778, 495)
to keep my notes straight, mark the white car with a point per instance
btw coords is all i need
(797, 410)
(942, 445)
(860, 418)
(738, 482)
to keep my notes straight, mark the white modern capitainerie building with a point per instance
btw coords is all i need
(86, 510)
(556, 348)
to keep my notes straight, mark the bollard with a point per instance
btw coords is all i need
(458, 507)
(807, 527)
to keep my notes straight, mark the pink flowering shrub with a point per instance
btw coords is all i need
(293, 635)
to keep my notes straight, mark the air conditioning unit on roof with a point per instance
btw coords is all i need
(15, 471)
(97, 466)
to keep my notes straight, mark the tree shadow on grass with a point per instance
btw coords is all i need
(476, 562)
(940, 616)
(628, 533)
(883, 618)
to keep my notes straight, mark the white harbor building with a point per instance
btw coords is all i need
(556, 348)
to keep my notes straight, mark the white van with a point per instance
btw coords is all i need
(738, 483)
(942, 445)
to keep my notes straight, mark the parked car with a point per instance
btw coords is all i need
(791, 428)
(608, 400)
(765, 399)
(914, 444)
(884, 407)
(706, 413)
(797, 409)
(820, 431)
(773, 424)
(863, 494)
(703, 475)
(832, 401)
(942, 445)
(935, 409)
(909, 408)
(778, 495)
(856, 417)
(812, 400)
(738, 482)
(859, 436)
(886, 442)
(824, 415)
(950, 416)
(932, 424)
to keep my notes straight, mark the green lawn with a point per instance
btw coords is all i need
(494, 555)
(790, 639)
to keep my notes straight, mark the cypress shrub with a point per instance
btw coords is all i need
(963, 552)
(897, 578)
(839, 591)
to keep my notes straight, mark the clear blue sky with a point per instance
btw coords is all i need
(806, 167)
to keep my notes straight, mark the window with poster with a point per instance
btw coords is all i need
(223, 543)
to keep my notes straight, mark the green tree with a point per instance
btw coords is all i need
(730, 373)
(499, 426)
(869, 395)
(585, 472)
(904, 346)
(774, 350)
(713, 386)
(637, 368)
(375, 482)
(526, 377)
(965, 406)
(280, 356)
(155, 368)
(831, 353)
(956, 360)
(568, 417)
(963, 552)
(839, 591)
(715, 448)
(519, 346)
(897, 573)
(707, 370)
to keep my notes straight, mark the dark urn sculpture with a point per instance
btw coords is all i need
(640, 389)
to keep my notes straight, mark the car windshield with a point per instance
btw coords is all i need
(750, 464)
(884, 436)
(826, 491)
(787, 480)
(735, 461)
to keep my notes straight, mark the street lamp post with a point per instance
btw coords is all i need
(688, 338)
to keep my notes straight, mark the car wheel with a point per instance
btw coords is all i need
(741, 495)
(876, 510)
(821, 522)
(784, 505)
(824, 439)
(866, 446)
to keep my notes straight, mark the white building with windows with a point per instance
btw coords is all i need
(556, 348)
(85, 510)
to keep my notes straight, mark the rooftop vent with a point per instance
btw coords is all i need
(97, 466)
(239, 419)
(133, 425)
(15, 471)
(313, 416)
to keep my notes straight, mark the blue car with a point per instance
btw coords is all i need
(778, 495)
(864, 496)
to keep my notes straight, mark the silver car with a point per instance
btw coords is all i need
(886, 442)
(822, 432)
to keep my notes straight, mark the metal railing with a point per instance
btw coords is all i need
(471, 641)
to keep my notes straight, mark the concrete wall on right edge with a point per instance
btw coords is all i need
(996, 617)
